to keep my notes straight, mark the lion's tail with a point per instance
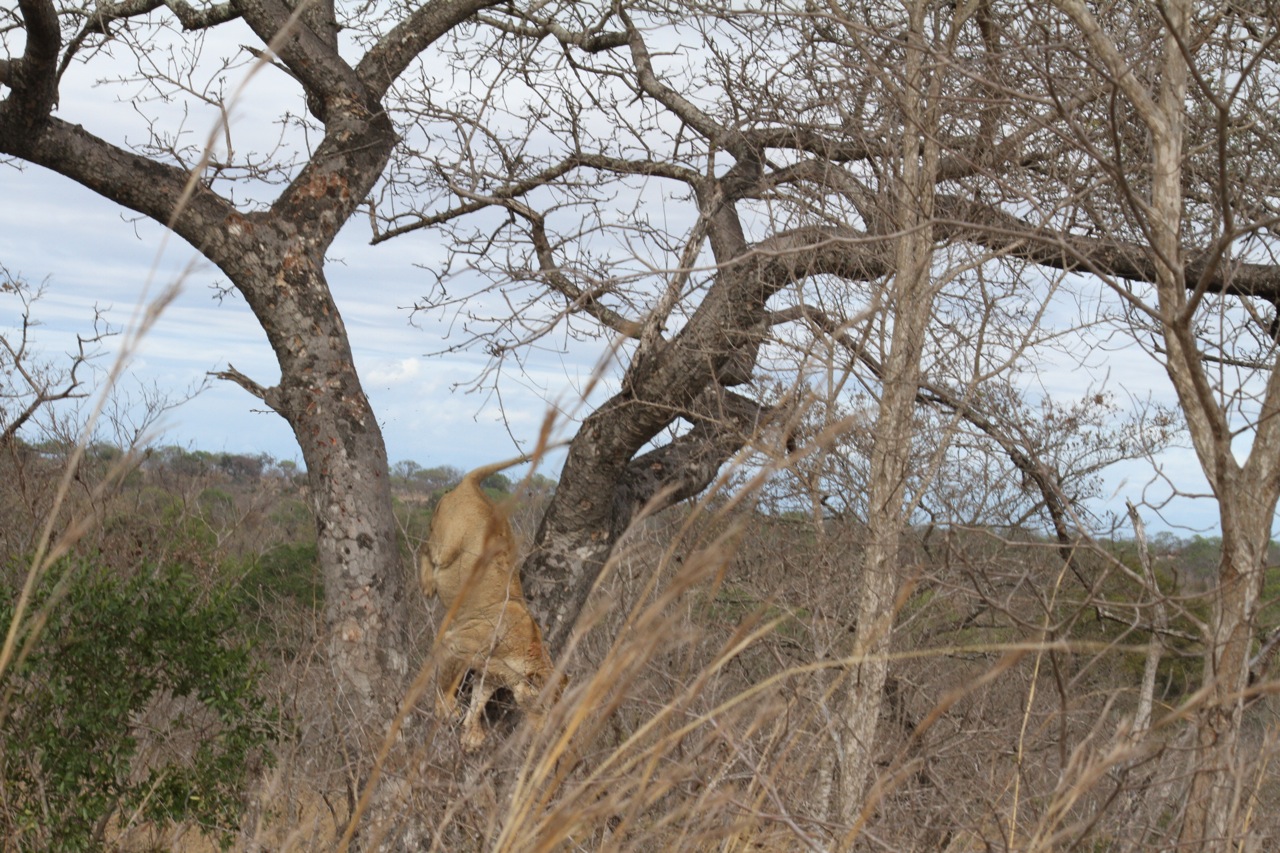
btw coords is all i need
(480, 474)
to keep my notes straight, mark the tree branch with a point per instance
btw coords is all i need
(153, 189)
(98, 23)
(681, 107)
(474, 202)
(1105, 615)
(103, 16)
(271, 396)
(683, 467)
(927, 393)
(539, 28)
(988, 226)
(201, 19)
(579, 300)
(33, 79)
(328, 80)
(388, 59)
(1260, 663)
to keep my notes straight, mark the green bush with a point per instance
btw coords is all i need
(286, 572)
(112, 653)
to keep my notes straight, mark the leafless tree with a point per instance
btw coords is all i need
(816, 155)
(1183, 165)
(31, 383)
(38, 393)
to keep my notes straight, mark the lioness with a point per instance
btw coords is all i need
(469, 560)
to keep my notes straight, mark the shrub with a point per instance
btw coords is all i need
(288, 572)
(112, 655)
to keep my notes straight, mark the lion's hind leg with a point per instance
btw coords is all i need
(476, 643)
(449, 674)
(526, 666)
(483, 686)
(502, 649)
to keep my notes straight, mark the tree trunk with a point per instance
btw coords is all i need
(1211, 820)
(276, 260)
(603, 486)
(860, 700)
(910, 303)
(321, 397)
(1246, 494)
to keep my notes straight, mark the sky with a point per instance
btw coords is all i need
(91, 253)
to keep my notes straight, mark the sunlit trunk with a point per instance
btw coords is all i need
(1212, 818)
(1246, 494)
(350, 492)
(910, 305)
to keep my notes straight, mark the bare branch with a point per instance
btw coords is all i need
(99, 22)
(964, 219)
(329, 81)
(388, 59)
(41, 384)
(540, 27)
(271, 396)
(730, 139)
(33, 78)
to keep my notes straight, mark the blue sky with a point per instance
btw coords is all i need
(88, 254)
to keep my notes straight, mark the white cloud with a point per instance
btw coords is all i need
(395, 373)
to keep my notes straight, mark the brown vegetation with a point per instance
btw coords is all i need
(825, 558)
(702, 712)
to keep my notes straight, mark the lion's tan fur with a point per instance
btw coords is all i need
(469, 560)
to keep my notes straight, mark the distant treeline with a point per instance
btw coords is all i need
(248, 468)
(1195, 556)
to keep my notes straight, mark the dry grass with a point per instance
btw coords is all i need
(698, 712)
(701, 710)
